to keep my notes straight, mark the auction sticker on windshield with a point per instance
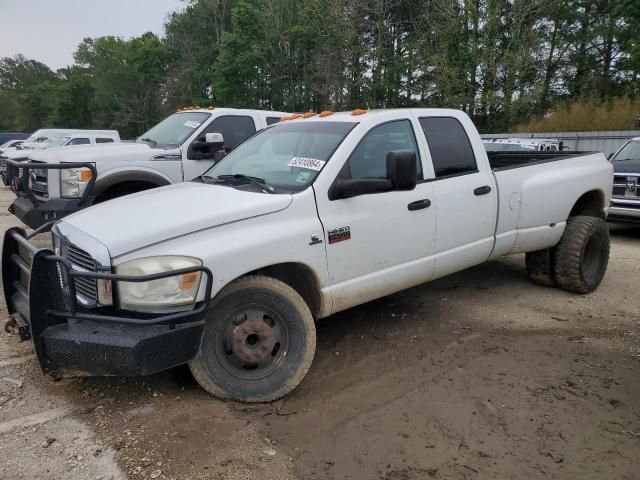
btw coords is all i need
(308, 163)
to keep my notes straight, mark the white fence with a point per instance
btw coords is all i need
(606, 142)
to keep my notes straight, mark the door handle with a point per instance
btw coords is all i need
(419, 204)
(482, 190)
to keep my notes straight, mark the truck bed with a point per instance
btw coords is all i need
(506, 160)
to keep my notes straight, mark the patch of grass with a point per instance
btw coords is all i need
(586, 115)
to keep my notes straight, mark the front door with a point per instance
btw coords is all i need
(235, 129)
(379, 243)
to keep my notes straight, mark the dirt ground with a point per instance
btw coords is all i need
(479, 375)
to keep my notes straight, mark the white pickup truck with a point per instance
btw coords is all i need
(309, 217)
(55, 183)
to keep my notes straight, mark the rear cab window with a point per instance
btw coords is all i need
(451, 151)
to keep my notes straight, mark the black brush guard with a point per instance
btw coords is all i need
(70, 340)
(35, 212)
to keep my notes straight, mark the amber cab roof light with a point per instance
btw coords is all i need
(309, 114)
(326, 113)
(359, 111)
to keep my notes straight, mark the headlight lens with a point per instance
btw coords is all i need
(73, 181)
(175, 291)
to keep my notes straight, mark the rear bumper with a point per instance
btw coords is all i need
(68, 340)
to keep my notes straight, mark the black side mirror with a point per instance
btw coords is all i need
(402, 169)
(401, 175)
(219, 155)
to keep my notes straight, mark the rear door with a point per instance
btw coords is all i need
(465, 197)
(383, 242)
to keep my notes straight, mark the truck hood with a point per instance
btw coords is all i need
(135, 221)
(117, 152)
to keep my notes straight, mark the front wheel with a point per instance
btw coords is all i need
(259, 341)
(582, 256)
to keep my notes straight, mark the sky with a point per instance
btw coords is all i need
(50, 30)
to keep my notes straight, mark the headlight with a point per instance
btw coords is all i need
(170, 292)
(73, 181)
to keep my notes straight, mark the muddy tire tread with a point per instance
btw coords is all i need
(261, 281)
(539, 265)
(567, 258)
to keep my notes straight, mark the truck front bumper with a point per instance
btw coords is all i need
(35, 213)
(39, 290)
(626, 211)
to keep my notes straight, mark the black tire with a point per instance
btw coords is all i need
(582, 256)
(540, 267)
(259, 341)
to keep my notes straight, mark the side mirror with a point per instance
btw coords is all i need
(206, 148)
(402, 169)
(359, 186)
(219, 155)
(610, 156)
(213, 138)
(401, 175)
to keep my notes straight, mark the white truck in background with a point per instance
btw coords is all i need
(54, 138)
(179, 148)
(309, 217)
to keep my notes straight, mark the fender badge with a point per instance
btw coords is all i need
(339, 234)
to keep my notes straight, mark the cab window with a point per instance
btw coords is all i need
(79, 141)
(369, 159)
(235, 129)
(449, 145)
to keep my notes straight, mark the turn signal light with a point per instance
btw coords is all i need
(85, 175)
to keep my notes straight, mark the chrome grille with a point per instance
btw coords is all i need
(86, 287)
(39, 182)
(625, 185)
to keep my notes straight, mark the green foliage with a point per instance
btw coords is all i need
(504, 62)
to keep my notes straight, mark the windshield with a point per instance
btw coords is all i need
(631, 151)
(57, 142)
(288, 156)
(173, 131)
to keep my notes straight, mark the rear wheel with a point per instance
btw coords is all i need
(540, 267)
(258, 343)
(582, 256)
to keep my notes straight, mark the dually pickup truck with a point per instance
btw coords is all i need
(57, 182)
(310, 216)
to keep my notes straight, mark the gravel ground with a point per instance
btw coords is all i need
(478, 375)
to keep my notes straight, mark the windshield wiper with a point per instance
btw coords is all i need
(150, 140)
(260, 182)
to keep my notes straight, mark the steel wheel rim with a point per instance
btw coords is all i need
(252, 343)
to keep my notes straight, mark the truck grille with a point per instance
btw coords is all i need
(86, 287)
(39, 182)
(626, 185)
